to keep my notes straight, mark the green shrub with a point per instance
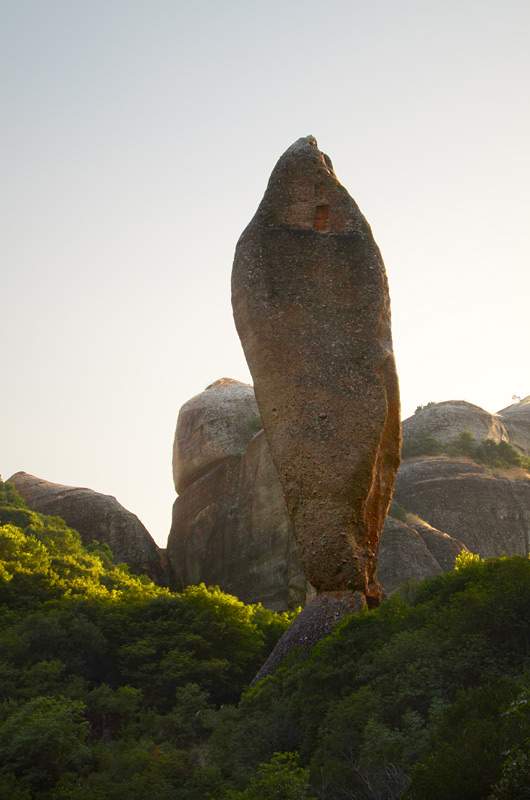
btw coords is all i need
(424, 445)
(397, 511)
(496, 454)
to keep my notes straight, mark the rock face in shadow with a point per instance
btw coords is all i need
(231, 526)
(311, 307)
(96, 517)
(486, 508)
(413, 551)
(314, 623)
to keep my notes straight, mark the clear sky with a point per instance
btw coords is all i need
(137, 139)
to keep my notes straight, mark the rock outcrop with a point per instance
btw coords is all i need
(445, 421)
(413, 551)
(235, 532)
(314, 623)
(212, 427)
(230, 525)
(312, 310)
(487, 509)
(516, 421)
(96, 517)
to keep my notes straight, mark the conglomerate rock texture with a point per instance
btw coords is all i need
(96, 517)
(312, 310)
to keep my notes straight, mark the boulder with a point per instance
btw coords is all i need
(485, 508)
(516, 421)
(213, 426)
(445, 421)
(413, 551)
(97, 517)
(311, 306)
(315, 621)
(230, 528)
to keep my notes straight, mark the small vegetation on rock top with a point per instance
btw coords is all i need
(495, 454)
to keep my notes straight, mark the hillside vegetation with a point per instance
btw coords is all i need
(113, 688)
(106, 680)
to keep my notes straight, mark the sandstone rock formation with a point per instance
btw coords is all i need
(311, 307)
(96, 517)
(230, 524)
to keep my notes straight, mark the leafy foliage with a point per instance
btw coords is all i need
(409, 700)
(421, 407)
(112, 688)
(108, 682)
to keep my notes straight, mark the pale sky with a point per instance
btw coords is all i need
(137, 140)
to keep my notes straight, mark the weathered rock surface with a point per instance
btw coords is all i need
(403, 556)
(231, 528)
(516, 420)
(311, 307)
(314, 623)
(445, 421)
(487, 509)
(212, 427)
(96, 517)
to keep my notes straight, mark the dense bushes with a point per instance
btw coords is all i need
(410, 700)
(112, 688)
(108, 682)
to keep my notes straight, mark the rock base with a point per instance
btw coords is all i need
(316, 621)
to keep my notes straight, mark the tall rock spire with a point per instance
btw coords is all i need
(311, 306)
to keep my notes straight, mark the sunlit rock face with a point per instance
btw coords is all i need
(516, 420)
(212, 427)
(311, 307)
(445, 421)
(96, 517)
